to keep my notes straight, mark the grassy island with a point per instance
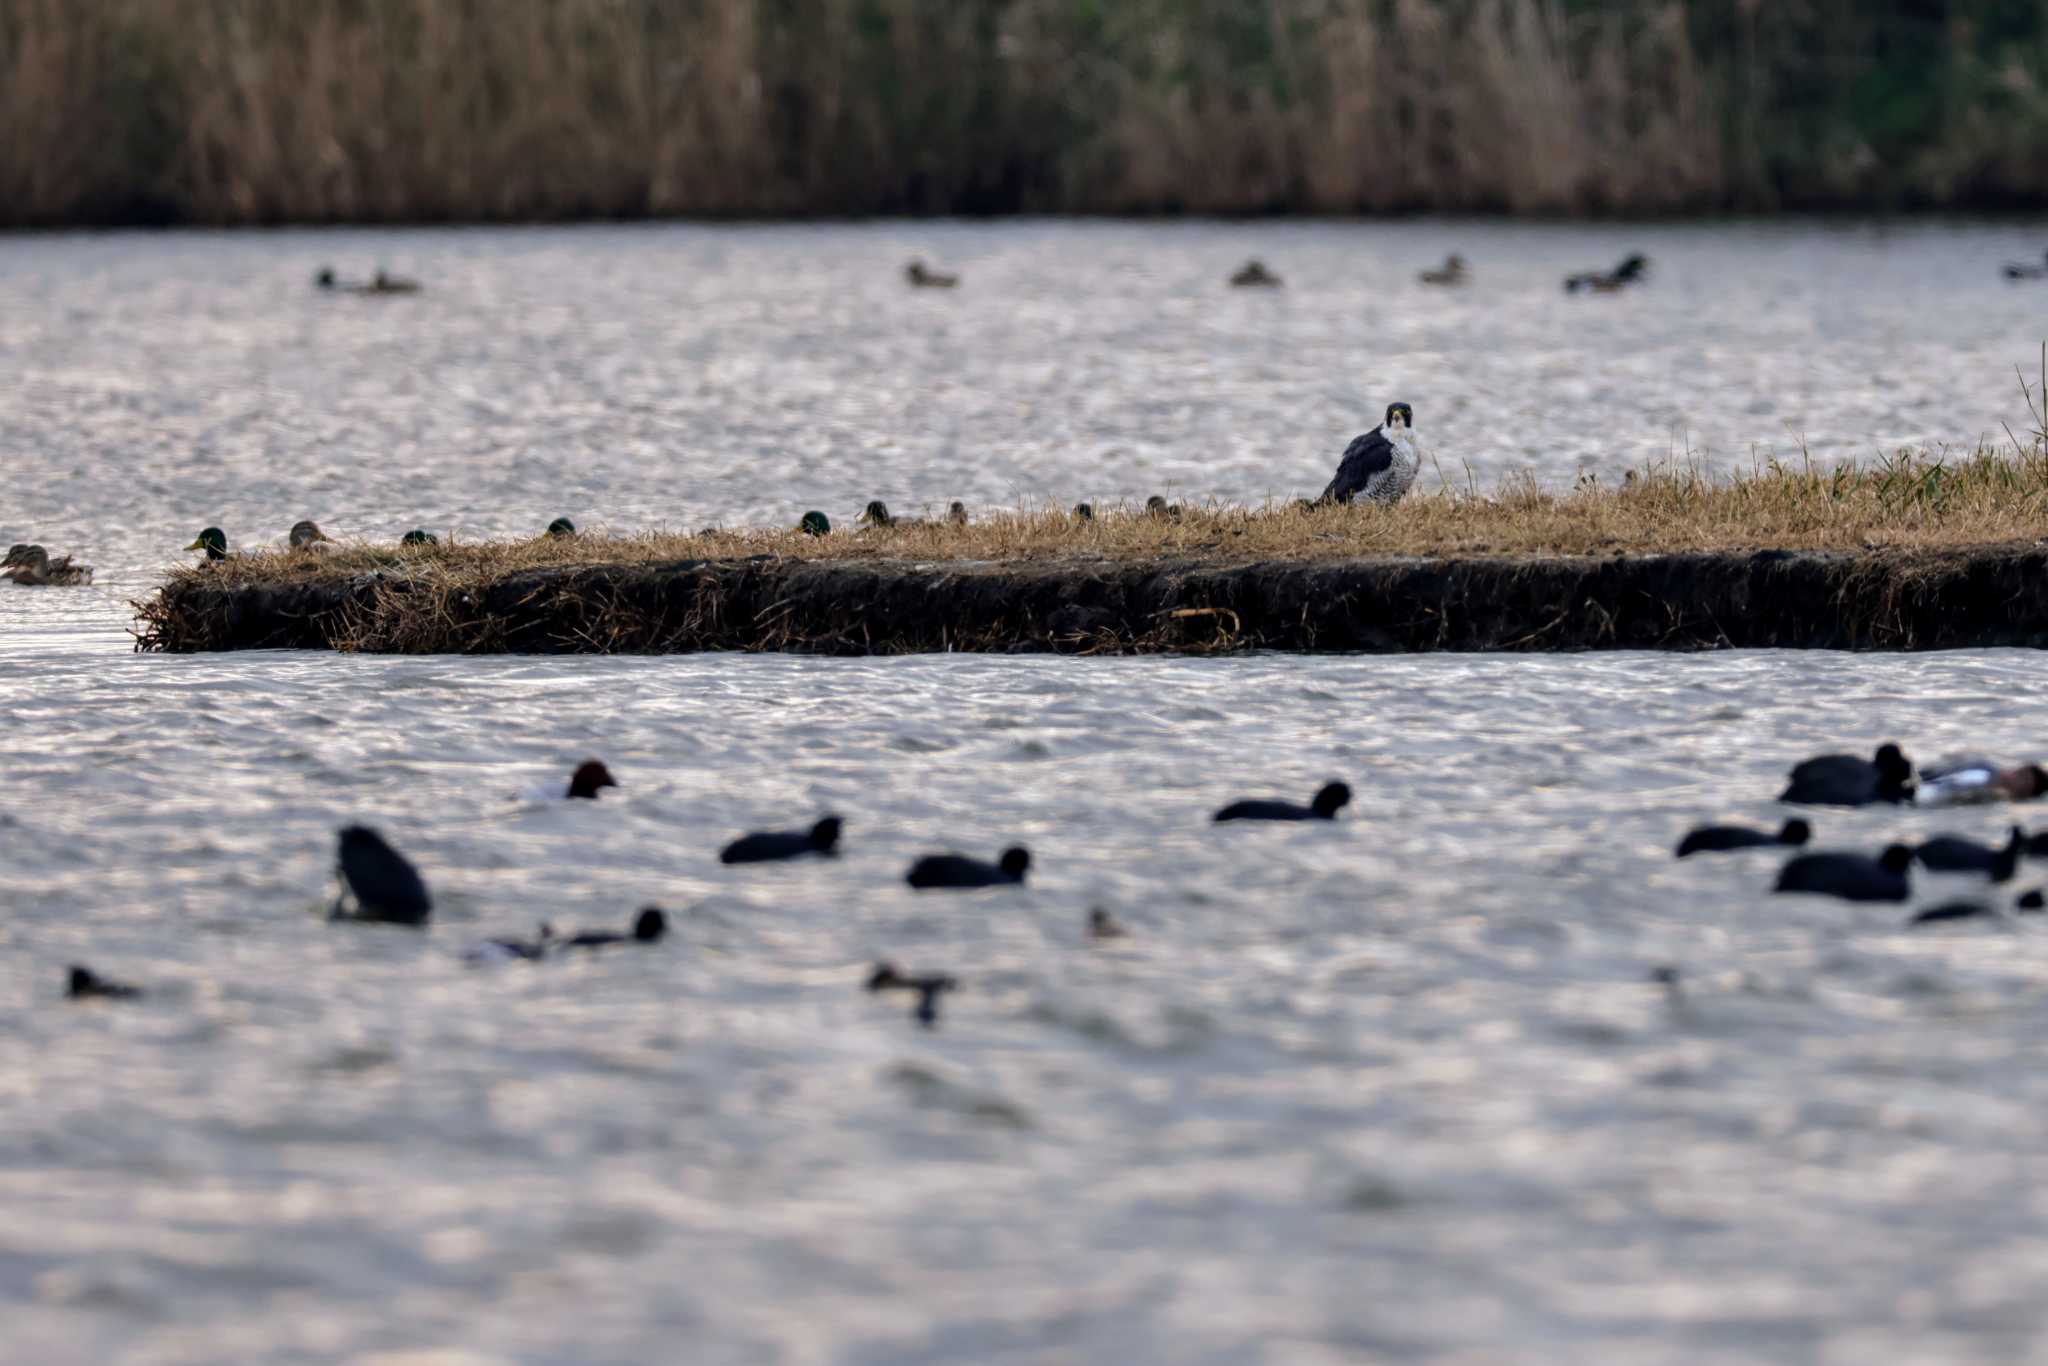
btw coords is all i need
(1913, 552)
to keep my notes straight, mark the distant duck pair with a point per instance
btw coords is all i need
(30, 566)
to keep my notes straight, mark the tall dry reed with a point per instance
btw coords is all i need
(253, 111)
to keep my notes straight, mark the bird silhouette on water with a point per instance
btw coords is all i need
(1952, 910)
(935, 871)
(1719, 839)
(1852, 877)
(768, 846)
(384, 885)
(86, 985)
(1845, 780)
(1103, 925)
(1955, 854)
(1333, 798)
(648, 927)
(588, 780)
(928, 988)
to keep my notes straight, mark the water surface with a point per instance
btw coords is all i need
(1398, 1088)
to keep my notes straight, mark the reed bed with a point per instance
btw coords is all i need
(254, 111)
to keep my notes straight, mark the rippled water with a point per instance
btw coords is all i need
(1398, 1088)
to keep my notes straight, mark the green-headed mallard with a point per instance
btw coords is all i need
(921, 278)
(957, 514)
(213, 541)
(14, 554)
(1452, 272)
(815, 524)
(307, 535)
(561, 527)
(419, 537)
(1254, 275)
(1084, 512)
(35, 569)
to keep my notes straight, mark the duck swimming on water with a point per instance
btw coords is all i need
(35, 569)
(1845, 780)
(648, 927)
(770, 846)
(1451, 273)
(1332, 798)
(1955, 854)
(2022, 271)
(385, 886)
(83, 984)
(959, 871)
(590, 776)
(922, 278)
(1716, 839)
(1852, 877)
(1627, 273)
(928, 987)
(1254, 275)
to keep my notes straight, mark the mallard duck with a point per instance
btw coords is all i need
(419, 537)
(1254, 275)
(213, 541)
(921, 278)
(381, 283)
(1159, 510)
(14, 554)
(561, 527)
(815, 524)
(957, 514)
(1103, 925)
(1627, 273)
(875, 513)
(1084, 512)
(307, 535)
(1452, 272)
(35, 569)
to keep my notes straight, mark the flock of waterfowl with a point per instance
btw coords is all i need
(1888, 778)
(379, 885)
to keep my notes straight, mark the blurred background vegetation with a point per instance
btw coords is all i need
(266, 111)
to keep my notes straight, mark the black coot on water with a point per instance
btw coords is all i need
(1853, 877)
(386, 887)
(1333, 798)
(1845, 780)
(766, 846)
(958, 870)
(1720, 839)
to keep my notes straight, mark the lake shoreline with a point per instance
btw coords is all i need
(1888, 599)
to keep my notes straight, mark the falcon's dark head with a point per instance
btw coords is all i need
(1401, 411)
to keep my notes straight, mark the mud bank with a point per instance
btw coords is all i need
(1883, 600)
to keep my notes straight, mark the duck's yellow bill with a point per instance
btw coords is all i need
(197, 545)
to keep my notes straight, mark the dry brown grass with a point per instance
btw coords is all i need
(1908, 501)
(259, 111)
